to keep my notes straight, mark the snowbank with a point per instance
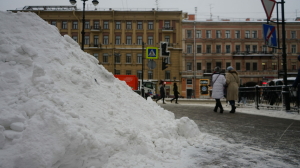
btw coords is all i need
(59, 108)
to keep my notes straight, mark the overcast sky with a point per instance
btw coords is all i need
(218, 8)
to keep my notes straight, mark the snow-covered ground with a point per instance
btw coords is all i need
(60, 109)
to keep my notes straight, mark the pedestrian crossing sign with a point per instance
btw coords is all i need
(151, 53)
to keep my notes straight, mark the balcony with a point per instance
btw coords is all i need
(168, 29)
(92, 45)
(95, 28)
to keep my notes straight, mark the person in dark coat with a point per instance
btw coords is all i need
(233, 83)
(218, 81)
(175, 90)
(296, 84)
(162, 92)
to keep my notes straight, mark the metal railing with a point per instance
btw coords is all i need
(270, 97)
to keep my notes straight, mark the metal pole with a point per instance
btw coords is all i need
(286, 89)
(278, 45)
(143, 92)
(83, 22)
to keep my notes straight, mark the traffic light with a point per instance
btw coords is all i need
(163, 49)
(164, 64)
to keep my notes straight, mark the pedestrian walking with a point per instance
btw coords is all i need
(162, 91)
(296, 85)
(175, 90)
(233, 83)
(218, 82)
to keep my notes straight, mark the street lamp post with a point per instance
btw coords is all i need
(73, 2)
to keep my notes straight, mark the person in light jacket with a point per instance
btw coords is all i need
(233, 83)
(218, 82)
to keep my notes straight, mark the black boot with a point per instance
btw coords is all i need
(232, 109)
(216, 108)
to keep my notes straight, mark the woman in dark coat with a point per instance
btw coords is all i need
(233, 83)
(175, 90)
(162, 92)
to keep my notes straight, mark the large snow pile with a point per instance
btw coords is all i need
(59, 108)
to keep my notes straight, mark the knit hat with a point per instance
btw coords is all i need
(230, 68)
(299, 58)
(217, 69)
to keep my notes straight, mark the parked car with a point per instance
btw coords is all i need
(278, 82)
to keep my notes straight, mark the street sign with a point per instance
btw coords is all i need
(151, 64)
(269, 33)
(151, 53)
(269, 7)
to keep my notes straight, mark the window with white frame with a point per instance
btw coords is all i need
(105, 58)
(294, 51)
(139, 25)
(199, 66)
(167, 39)
(150, 74)
(167, 24)
(128, 25)
(118, 40)
(227, 34)
(139, 40)
(199, 48)
(254, 48)
(188, 66)
(254, 34)
(96, 40)
(53, 23)
(139, 74)
(247, 34)
(139, 58)
(86, 40)
(198, 34)
(237, 48)
(208, 33)
(208, 48)
(96, 55)
(167, 75)
(189, 49)
(128, 40)
(189, 33)
(128, 58)
(237, 34)
(96, 25)
(218, 34)
(117, 58)
(128, 72)
(227, 49)
(105, 39)
(105, 25)
(150, 25)
(293, 35)
(87, 24)
(75, 38)
(64, 25)
(75, 25)
(118, 25)
(150, 40)
(218, 48)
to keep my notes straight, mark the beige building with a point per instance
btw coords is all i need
(223, 43)
(115, 37)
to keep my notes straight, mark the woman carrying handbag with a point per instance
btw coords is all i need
(218, 82)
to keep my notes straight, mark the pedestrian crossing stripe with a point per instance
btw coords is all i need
(151, 53)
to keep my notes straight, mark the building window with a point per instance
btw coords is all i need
(254, 34)
(247, 34)
(264, 66)
(117, 72)
(237, 48)
(105, 25)
(189, 49)
(219, 64)
(75, 25)
(294, 49)
(150, 40)
(228, 64)
(105, 40)
(227, 34)
(139, 74)
(189, 33)
(105, 58)
(150, 25)
(87, 25)
(139, 58)
(75, 38)
(150, 75)
(167, 39)
(218, 48)
(254, 48)
(86, 40)
(117, 58)
(198, 34)
(208, 34)
(128, 40)
(293, 34)
(139, 40)
(199, 67)
(188, 66)
(208, 67)
(228, 49)
(274, 66)
(139, 25)
(189, 81)
(96, 55)
(199, 48)
(167, 24)
(64, 25)
(208, 48)
(218, 34)
(118, 25)
(254, 66)
(96, 40)
(237, 34)
(248, 66)
(238, 66)
(128, 25)
(118, 40)
(128, 58)
(53, 23)
(96, 25)
(294, 67)
(167, 75)
(248, 48)
(128, 72)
